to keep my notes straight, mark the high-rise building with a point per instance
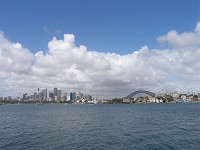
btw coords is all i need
(47, 95)
(24, 96)
(94, 98)
(68, 97)
(73, 97)
(44, 94)
(79, 95)
(35, 96)
(38, 91)
(89, 98)
(51, 96)
(64, 97)
(9, 98)
(55, 94)
(59, 95)
(55, 98)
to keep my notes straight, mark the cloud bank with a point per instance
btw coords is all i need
(75, 68)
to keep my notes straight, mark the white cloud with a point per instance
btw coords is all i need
(183, 40)
(74, 68)
(14, 58)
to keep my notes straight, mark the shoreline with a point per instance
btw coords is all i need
(43, 103)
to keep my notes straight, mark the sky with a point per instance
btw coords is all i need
(107, 48)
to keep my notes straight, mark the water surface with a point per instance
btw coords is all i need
(102, 127)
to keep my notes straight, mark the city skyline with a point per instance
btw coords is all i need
(104, 48)
(56, 95)
(49, 95)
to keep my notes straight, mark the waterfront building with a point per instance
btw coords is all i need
(78, 95)
(55, 94)
(24, 96)
(183, 97)
(47, 95)
(81, 95)
(64, 97)
(9, 98)
(35, 96)
(44, 94)
(153, 100)
(198, 94)
(59, 95)
(68, 97)
(89, 98)
(94, 98)
(51, 95)
(104, 101)
(31, 97)
(55, 98)
(126, 100)
(192, 93)
(28, 97)
(73, 97)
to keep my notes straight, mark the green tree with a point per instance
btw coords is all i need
(195, 98)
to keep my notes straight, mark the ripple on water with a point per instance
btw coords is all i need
(102, 127)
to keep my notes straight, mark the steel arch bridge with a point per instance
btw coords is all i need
(141, 91)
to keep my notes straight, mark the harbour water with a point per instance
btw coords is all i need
(100, 127)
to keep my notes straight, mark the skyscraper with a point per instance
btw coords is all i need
(79, 95)
(24, 96)
(35, 96)
(73, 97)
(55, 94)
(44, 94)
(59, 95)
(89, 98)
(64, 98)
(51, 96)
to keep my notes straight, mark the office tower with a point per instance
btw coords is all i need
(35, 96)
(94, 98)
(78, 95)
(44, 94)
(89, 98)
(9, 98)
(55, 94)
(51, 96)
(59, 95)
(68, 97)
(24, 96)
(31, 97)
(55, 98)
(73, 97)
(64, 98)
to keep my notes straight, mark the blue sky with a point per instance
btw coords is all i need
(30, 57)
(119, 26)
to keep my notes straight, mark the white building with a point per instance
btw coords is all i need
(126, 100)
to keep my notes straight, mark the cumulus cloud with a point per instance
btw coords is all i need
(75, 68)
(183, 40)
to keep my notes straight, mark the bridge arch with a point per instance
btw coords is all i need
(141, 91)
